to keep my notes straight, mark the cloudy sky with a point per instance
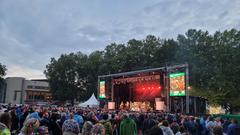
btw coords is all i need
(33, 31)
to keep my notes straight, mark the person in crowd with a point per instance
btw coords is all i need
(174, 126)
(107, 124)
(217, 130)
(55, 126)
(148, 123)
(114, 123)
(218, 122)
(67, 116)
(70, 126)
(94, 121)
(118, 119)
(233, 128)
(92, 117)
(182, 131)
(128, 126)
(78, 117)
(14, 120)
(33, 114)
(22, 116)
(155, 131)
(63, 118)
(140, 122)
(30, 127)
(226, 123)
(209, 125)
(44, 121)
(5, 124)
(203, 125)
(165, 128)
(43, 130)
(98, 129)
(199, 127)
(87, 127)
(189, 125)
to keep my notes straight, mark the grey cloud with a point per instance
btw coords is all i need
(174, 17)
(33, 31)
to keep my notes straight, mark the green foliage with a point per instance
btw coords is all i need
(3, 70)
(67, 76)
(214, 61)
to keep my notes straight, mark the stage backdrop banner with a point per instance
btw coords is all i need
(111, 105)
(146, 91)
(160, 105)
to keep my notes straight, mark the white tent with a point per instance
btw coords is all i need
(91, 102)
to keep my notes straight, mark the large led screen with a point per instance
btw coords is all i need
(177, 84)
(102, 90)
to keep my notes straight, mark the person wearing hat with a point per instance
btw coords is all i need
(98, 129)
(43, 130)
(87, 128)
(107, 124)
(70, 126)
(30, 127)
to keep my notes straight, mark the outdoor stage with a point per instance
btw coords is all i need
(164, 88)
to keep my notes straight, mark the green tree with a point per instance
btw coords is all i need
(214, 64)
(165, 53)
(113, 61)
(213, 61)
(3, 70)
(94, 68)
(67, 76)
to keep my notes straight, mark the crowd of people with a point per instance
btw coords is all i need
(39, 120)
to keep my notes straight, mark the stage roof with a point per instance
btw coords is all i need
(143, 71)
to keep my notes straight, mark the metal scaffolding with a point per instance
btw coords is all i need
(166, 70)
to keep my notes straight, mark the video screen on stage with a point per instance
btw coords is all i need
(102, 92)
(177, 84)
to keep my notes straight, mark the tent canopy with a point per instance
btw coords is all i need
(92, 101)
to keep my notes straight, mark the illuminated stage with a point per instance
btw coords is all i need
(151, 89)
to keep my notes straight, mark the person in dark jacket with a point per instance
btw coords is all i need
(55, 127)
(23, 117)
(155, 131)
(198, 127)
(148, 123)
(217, 130)
(140, 122)
(15, 121)
(226, 123)
(45, 120)
(233, 128)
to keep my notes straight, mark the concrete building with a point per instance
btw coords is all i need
(21, 91)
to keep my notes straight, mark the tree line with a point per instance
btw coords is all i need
(214, 62)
